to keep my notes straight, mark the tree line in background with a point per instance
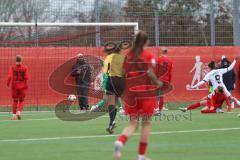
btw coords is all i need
(179, 22)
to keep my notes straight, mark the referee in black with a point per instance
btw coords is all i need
(229, 78)
(81, 71)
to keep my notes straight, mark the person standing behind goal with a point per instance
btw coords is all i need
(17, 79)
(81, 71)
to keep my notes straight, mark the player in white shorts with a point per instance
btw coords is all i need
(215, 77)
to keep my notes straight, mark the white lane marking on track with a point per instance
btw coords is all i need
(40, 119)
(106, 136)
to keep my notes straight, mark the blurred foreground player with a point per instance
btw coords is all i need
(17, 79)
(138, 61)
(213, 103)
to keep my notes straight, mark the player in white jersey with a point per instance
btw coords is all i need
(215, 77)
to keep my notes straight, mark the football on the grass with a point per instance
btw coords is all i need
(72, 98)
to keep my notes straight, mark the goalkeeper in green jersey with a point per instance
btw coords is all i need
(103, 78)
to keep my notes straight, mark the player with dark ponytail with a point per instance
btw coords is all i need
(142, 60)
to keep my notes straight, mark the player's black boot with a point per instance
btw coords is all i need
(112, 115)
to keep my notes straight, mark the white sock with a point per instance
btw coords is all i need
(238, 102)
(118, 143)
(141, 157)
(118, 147)
(232, 105)
(14, 115)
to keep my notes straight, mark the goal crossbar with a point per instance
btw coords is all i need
(111, 24)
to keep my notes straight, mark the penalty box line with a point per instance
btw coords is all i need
(115, 135)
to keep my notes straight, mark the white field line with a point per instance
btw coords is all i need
(40, 119)
(51, 112)
(35, 113)
(48, 113)
(28, 113)
(106, 136)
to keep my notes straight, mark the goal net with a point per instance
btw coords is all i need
(46, 46)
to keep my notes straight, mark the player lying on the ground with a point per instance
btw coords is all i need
(212, 103)
(17, 78)
(215, 76)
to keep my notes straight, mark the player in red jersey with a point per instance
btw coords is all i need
(164, 64)
(138, 61)
(17, 79)
(213, 103)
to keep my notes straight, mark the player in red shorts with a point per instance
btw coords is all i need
(143, 62)
(213, 103)
(17, 78)
(165, 64)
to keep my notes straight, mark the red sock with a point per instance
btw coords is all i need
(142, 148)
(20, 106)
(14, 107)
(208, 111)
(160, 105)
(122, 138)
(229, 108)
(194, 106)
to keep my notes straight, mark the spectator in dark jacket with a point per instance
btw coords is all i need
(81, 71)
(229, 77)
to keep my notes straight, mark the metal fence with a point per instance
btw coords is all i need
(168, 22)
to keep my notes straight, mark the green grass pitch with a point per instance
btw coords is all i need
(41, 136)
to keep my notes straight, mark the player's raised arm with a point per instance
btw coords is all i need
(198, 84)
(225, 70)
(205, 80)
